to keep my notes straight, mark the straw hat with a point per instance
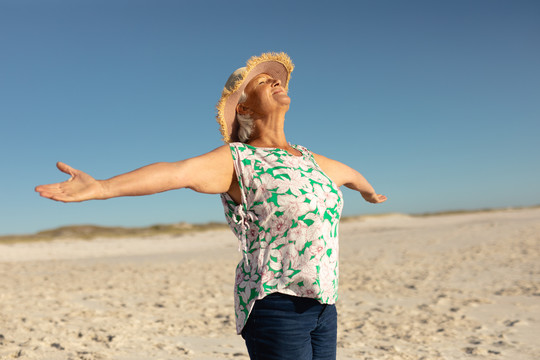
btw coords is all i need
(277, 65)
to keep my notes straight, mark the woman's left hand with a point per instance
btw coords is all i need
(374, 198)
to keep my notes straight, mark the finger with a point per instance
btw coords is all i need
(55, 197)
(41, 188)
(56, 194)
(65, 168)
(48, 188)
(62, 198)
(53, 191)
(47, 195)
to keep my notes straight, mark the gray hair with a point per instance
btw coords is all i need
(245, 122)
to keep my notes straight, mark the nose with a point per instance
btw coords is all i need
(276, 82)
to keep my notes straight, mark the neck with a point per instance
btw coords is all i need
(269, 132)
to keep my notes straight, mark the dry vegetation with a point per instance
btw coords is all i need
(88, 232)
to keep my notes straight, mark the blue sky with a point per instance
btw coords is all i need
(437, 103)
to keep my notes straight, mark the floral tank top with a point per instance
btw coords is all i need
(287, 226)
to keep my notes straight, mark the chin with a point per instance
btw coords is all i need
(285, 100)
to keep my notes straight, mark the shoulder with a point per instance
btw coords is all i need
(337, 171)
(324, 161)
(220, 156)
(209, 173)
(221, 151)
(319, 159)
(304, 151)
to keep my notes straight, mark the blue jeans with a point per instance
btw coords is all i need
(282, 327)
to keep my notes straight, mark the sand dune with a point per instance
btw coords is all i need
(443, 287)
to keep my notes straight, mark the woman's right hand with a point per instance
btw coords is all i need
(79, 187)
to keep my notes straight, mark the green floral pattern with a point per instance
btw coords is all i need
(287, 226)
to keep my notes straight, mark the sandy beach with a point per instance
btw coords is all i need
(454, 286)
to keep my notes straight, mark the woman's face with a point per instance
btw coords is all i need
(265, 95)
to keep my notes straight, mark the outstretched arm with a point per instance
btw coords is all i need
(210, 173)
(342, 174)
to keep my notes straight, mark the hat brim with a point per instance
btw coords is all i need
(279, 66)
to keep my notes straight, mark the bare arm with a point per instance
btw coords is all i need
(211, 173)
(342, 174)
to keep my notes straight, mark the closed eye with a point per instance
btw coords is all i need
(263, 80)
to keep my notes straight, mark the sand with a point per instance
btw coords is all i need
(439, 287)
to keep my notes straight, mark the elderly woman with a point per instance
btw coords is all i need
(282, 201)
